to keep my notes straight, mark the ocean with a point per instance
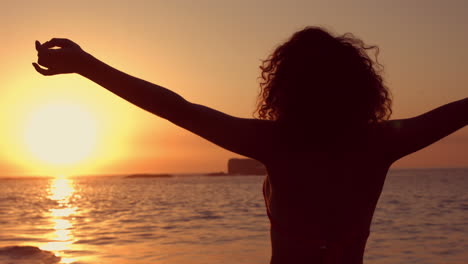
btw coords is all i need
(422, 217)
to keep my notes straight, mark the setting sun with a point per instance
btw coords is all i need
(60, 133)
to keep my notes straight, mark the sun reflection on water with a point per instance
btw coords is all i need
(61, 190)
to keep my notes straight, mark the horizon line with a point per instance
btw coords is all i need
(188, 173)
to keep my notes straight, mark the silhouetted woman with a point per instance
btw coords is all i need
(323, 134)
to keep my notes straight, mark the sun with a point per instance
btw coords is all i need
(60, 133)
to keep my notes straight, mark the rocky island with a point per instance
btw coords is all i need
(160, 175)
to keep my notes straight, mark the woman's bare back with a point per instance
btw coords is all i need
(329, 195)
(323, 202)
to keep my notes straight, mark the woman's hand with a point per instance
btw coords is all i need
(60, 56)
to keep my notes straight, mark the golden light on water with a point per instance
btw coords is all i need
(61, 190)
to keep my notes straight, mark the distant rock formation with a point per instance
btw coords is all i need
(220, 173)
(246, 167)
(161, 175)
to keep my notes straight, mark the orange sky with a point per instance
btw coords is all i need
(209, 52)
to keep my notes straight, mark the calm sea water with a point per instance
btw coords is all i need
(422, 217)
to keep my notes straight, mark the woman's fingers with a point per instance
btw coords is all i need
(38, 45)
(44, 59)
(57, 42)
(43, 71)
(65, 59)
(49, 57)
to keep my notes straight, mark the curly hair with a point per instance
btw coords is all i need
(324, 77)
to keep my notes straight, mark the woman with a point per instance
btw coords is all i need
(323, 134)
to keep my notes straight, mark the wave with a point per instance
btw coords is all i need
(27, 255)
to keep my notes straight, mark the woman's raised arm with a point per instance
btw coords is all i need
(405, 136)
(248, 137)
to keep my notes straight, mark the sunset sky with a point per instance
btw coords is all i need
(209, 52)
